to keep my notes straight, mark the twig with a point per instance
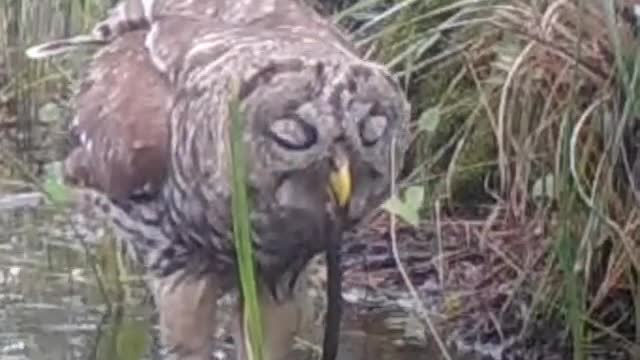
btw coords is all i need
(405, 277)
(440, 247)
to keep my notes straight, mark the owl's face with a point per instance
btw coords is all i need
(321, 131)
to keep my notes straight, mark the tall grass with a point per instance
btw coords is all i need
(536, 110)
(32, 88)
(252, 320)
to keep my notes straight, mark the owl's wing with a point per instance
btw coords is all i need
(121, 125)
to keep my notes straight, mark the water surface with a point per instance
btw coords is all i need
(62, 297)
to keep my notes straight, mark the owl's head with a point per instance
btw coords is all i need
(324, 130)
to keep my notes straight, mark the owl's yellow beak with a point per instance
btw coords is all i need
(340, 180)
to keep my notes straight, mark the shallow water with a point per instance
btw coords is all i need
(52, 306)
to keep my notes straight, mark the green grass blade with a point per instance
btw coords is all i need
(242, 233)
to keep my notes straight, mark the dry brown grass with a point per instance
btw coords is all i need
(537, 113)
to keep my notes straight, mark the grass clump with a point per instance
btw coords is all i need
(537, 116)
(34, 95)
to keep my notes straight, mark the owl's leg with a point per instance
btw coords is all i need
(187, 309)
(281, 321)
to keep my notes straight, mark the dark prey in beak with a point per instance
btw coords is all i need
(334, 286)
(320, 220)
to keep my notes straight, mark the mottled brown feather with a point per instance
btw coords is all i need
(121, 125)
(167, 66)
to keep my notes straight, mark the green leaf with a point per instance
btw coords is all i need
(56, 190)
(414, 196)
(53, 184)
(132, 339)
(399, 208)
(408, 208)
(429, 120)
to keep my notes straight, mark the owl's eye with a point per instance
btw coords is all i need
(293, 134)
(372, 128)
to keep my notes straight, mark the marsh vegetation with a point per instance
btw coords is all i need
(516, 221)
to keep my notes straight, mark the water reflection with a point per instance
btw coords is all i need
(53, 307)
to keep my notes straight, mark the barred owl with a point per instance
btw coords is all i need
(152, 140)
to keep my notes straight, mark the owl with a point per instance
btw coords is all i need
(152, 149)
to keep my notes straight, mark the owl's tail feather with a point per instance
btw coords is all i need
(61, 46)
